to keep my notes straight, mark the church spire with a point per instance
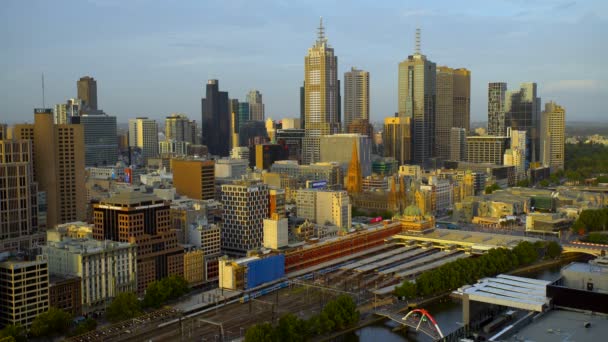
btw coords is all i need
(353, 184)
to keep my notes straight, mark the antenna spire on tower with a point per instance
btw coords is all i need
(43, 102)
(321, 31)
(418, 41)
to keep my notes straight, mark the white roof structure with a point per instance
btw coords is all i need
(511, 291)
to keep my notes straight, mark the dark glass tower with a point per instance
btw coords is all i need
(216, 120)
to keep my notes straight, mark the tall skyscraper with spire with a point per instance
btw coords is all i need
(321, 96)
(417, 77)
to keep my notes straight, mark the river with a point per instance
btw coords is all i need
(448, 314)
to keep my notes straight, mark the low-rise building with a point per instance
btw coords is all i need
(275, 232)
(194, 267)
(65, 293)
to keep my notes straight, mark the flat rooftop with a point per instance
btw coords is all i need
(510, 291)
(560, 325)
(467, 238)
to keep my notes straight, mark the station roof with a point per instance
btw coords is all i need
(510, 291)
(467, 238)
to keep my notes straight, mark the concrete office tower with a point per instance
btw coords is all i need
(275, 232)
(322, 96)
(194, 178)
(397, 139)
(453, 106)
(100, 143)
(486, 149)
(552, 133)
(516, 154)
(245, 207)
(339, 147)
(58, 155)
(324, 207)
(458, 144)
(24, 290)
(496, 108)
(216, 120)
(142, 219)
(65, 111)
(417, 78)
(256, 106)
(522, 112)
(356, 96)
(179, 127)
(87, 92)
(143, 133)
(19, 204)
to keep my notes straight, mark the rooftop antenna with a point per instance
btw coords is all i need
(418, 41)
(321, 30)
(43, 102)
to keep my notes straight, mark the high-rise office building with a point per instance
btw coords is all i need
(145, 220)
(522, 112)
(216, 120)
(262, 156)
(452, 106)
(486, 149)
(245, 207)
(256, 106)
(292, 138)
(325, 206)
(552, 134)
(458, 144)
(194, 178)
(19, 202)
(87, 92)
(302, 105)
(338, 148)
(65, 111)
(496, 108)
(417, 78)
(361, 126)
(356, 96)
(143, 133)
(397, 139)
(322, 96)
(58, 155)
(100, 143)
(515, 155)
(179, 127)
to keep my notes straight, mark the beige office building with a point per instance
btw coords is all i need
(24, 291)
(58, 155)
(356, 96)
(397, 139)
(321, 96)
(486, 149)
(553, 135)
(143, 133)
(453, 106)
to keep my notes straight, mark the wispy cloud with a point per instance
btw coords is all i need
(417, 12)
(574, 85)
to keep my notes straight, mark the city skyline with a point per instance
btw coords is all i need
(186, 55)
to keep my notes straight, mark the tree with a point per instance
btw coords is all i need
(554, 250)
(291, 328)
(491, 188)
(160, 291)
(51, 323)
(13, 332)
(544, 183)
(407, 290)
(524, 183)
(85, 326)
(124, 306)
(260, 333)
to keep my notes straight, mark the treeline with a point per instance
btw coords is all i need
(585, 160)
(455, 274)
(126, 305)
(337, 315)
(597, 238)
(591, 220)
(55, 322)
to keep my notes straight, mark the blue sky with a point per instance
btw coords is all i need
(154, 57)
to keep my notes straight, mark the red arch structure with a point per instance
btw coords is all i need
(424, 313)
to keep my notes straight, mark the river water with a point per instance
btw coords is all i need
(448, 315)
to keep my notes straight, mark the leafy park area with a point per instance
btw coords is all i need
(337, 315)
(455, 274)
(585, 161)
(591, 220)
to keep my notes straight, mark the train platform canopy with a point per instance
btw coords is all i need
(510, 291)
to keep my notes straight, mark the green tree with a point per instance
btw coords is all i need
(13, 332)
(156, 294)
(554, 250)
(85, 326)
(491, 188)
(544, 183)
(51, 323)
(124, 306)
(524, 183)
(260, 333)
(291, 328)
(407, 290)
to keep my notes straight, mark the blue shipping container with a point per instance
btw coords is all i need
(265, 270)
